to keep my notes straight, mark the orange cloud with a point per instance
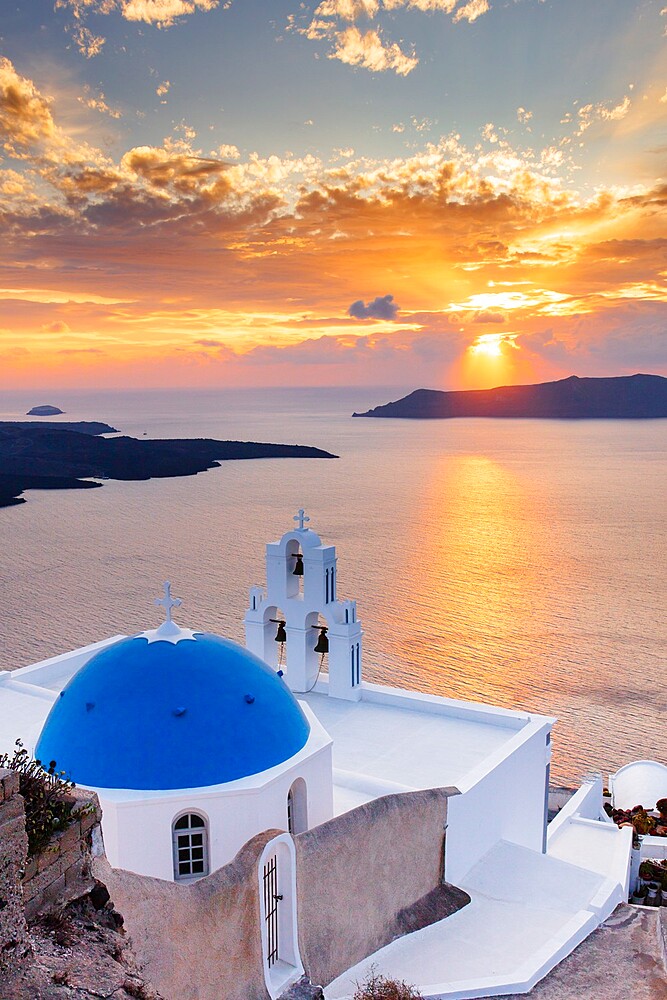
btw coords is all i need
(179, 266)
(368, 50)
(471, 11)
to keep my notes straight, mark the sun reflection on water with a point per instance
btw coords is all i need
(474, 555)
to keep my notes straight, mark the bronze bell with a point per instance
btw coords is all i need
(322, 644)
(281, 634)
(298, 569)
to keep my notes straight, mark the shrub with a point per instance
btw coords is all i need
(46, 794)
(377, 987)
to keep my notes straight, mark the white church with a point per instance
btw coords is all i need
(196, 745)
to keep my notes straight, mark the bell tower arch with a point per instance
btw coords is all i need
(301, 557)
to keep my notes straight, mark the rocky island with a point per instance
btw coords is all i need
(67, 456)
(44, 411)
(624, 397)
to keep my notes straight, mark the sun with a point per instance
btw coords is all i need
(492, 359)
(489, 345)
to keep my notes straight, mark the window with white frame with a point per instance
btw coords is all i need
(190, 847)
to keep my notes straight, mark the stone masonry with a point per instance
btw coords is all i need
(62, 871)
(14, 940)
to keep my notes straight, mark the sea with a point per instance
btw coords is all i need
(517, 562)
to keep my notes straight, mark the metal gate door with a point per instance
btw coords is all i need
(271, 901)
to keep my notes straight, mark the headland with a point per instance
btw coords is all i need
(626, 397)
(66, 456)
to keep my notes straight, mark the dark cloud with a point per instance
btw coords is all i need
(382, 307)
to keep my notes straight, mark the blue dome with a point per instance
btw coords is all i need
(159, 715)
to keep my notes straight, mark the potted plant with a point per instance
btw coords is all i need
(646, 871)
(643, 823)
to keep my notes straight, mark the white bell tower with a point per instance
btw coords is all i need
(300, 600)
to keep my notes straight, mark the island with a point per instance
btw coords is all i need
(44, 411)
(67, 456)
(82, 426)
(624, 397)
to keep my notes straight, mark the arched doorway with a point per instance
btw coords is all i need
(278, 915)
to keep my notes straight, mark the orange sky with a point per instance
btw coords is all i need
(470, 264)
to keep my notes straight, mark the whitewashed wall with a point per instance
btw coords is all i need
(138, 834)
(503, 799)
(138, 831)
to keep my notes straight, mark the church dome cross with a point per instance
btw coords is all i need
(168, 602)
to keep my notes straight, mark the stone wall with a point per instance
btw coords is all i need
(200, 941)
(62, 871)
(362, 879)
(14, 940)
(361, 876)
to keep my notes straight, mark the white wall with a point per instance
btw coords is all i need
(587, 803)
(503, 799)
(138, 833)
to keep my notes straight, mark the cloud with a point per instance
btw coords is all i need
(487, 317)
(167, 250)
(87, 42)
(163, 13)
(426, 6)
(163, 88)
(348, 10)
(26, 121)
(58, 326)
(601, 112)
(98, 103)
(523, 116)
(382, 307)
(471, 11)
(27, 127)
(370, 52)
(69, 351)
(227, 151)
(335, 21)
(631, 339)
(421, 124)
(160, 13)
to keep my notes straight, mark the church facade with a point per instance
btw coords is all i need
(196, 745)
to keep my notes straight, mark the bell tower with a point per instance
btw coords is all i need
(300, 606)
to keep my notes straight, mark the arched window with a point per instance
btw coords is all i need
(190, 847)
(297, 807)
(290, 811)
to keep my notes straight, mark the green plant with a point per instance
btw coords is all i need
(377, 987)
(643, 823)
(47, 796)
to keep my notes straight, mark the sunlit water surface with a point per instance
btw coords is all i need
(517, 562)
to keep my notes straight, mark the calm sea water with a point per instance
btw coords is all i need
(522, 563)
